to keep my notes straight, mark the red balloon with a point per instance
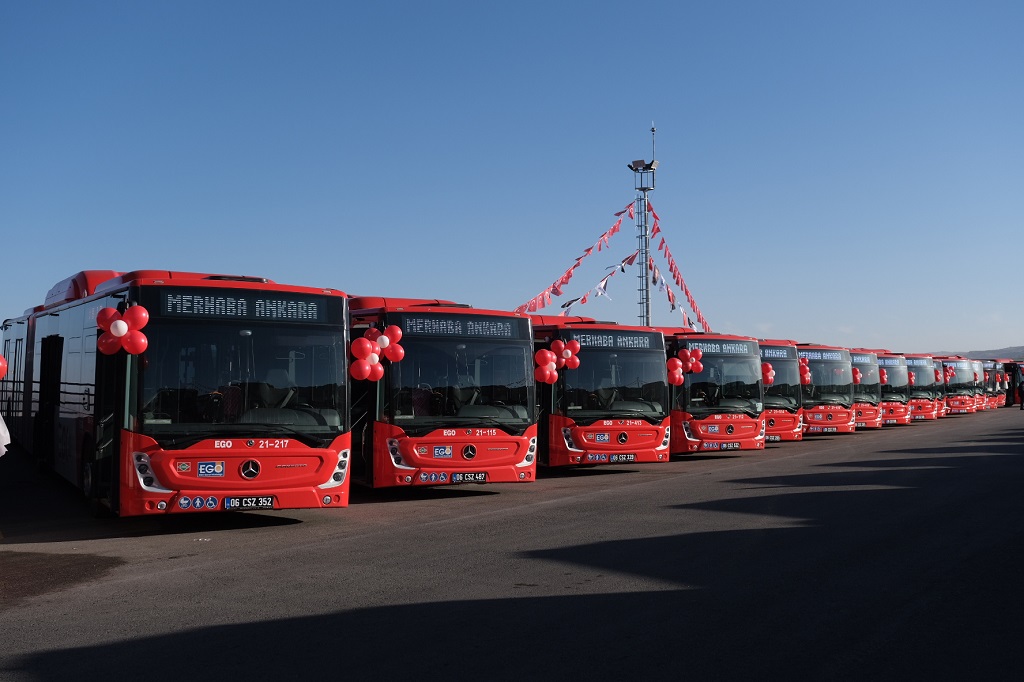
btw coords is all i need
(675, 378)
(541, 374)
(544, 357)
(108, 344)
(574, 346)
(766, 367)
(134, 342)
(136, 317)
(359, 369)
(3, 367)
(371, 334)
(684, 354)
(376, 372)
(911, 378)
(362, 347)
(552, 376)
(572, 362)
(696, 354)
(805, 379)
(105, 316)
(394, 352)
(674, 364)
(697, 367)
(557, 346)
(394, 332)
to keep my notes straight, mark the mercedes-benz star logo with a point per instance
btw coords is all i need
(469, 452)
(623, 437)
(250, 468)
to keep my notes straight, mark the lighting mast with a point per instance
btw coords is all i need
(643, 172)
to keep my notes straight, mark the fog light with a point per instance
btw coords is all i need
(161, 505)
(327, 499)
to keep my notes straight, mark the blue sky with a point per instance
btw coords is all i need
(844, 173)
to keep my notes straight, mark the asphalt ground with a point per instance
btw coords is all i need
(893, 554)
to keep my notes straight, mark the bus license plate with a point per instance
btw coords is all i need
(249, 502)
(773, 439)
(730, 446)
(830, 429)
(470, 477)
(623, 458)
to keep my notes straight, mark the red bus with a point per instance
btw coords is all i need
(783, 395)
(958, 374)
(980, 401)
(720, 405)
(926, 387)
(892, 368)
(828, 399)
(210, 392)
(867, 389)
(995, 393)
(610, 401)
(457, 406)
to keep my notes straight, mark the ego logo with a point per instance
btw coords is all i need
(222, 443)
(207, 469)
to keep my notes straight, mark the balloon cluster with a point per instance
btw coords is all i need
(950, 373)
(562, 354)
(857, 376)
(368, 349)
(938, 376)
(911, 378)
(122, 331)
(767, 374)
(975, 376)
(686, 362)
(805, 372)
(3, 367)
(986, 377)
(883, 376)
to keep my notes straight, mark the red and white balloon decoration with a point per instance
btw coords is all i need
(938, 376)
(122, 331)
(805, 372)
(857, 376)
(3, 367)
(883, 376)
(686, 362)
(369, 348)
(767, 374)
(911, 379)
(562, 354)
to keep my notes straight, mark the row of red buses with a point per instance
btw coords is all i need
(173, 392)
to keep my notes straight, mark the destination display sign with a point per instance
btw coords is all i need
(864, 358)
(242, 305)
(892, 362)
(615, 339)
(920, 362)
(729, 347)
(821, 354)
(778, 353)
(441, 324)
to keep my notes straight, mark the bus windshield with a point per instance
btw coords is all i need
(869, 390)
(897, 385)
(784, 392)
(225, 379)
(831, 384)
(460, 381)
(962, 383)
(726, 384)
(616, 382)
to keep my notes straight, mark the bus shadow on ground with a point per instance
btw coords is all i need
(872, 576)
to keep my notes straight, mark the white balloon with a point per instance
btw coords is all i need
(373, 358)
(383, 341)
(118, 327)
(552, 366)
